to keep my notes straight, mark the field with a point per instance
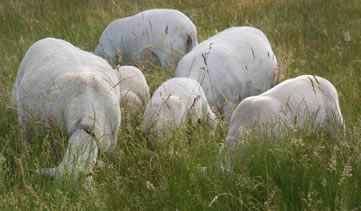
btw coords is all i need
(295, 172)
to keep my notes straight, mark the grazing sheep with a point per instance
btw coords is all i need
(173, 102)
(75, 90)
(161, 36)
(232, 65)
(134, 89)
(307, 102)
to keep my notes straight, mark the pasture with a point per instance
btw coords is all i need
(293, 172)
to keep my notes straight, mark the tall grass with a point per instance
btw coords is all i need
(293, 172)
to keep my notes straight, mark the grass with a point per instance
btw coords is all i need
(295, 172)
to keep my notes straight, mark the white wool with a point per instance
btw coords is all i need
(172, 103)
(232, 65)
(160, 36)
(76, 91)
(307, 102)
(134, 89)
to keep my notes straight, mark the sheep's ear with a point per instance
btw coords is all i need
(189, 44)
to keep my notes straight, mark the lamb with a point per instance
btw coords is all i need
(172, 103)
(307, 102)
(76, 91)
(161, 36)
(232, 65)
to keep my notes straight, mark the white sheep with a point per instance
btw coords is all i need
(75, 90)
(161, 36)
(134, 89)
(306, 102)
(232, 65)
(172, 103)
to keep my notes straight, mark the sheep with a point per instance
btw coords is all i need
(306, 102)
(76, 91)
(172, 103)
(161, 36)
(232, 65)
(134, 89)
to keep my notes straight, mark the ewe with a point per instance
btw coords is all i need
(75, 90)
(232, 65)
(172, 103)
(161, 36)
(307, 102)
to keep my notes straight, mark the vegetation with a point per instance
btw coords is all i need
(295, 172)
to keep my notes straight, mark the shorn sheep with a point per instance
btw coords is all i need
(134, 89)
(161, 36)
(306, 102)
(172, 103)
(232, 65)
(75, 90)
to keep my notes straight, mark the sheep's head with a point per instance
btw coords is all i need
(162, 116)
(176, 41)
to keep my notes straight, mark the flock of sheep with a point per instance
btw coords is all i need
(231, 73)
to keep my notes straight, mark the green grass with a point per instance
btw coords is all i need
(295, 172)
